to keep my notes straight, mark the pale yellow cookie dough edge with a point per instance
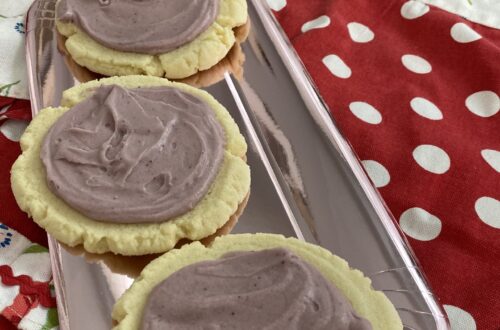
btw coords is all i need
(368, 303)
(69, 226)
(202, 53)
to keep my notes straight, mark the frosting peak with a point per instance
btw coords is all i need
(270, 289)
(141, 26)
(133, 156)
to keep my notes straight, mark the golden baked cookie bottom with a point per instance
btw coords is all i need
(228, 191)
(133, 265)
(232, 63)
(205, 51)
(368, 303)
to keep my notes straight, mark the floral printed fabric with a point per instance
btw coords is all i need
(13, 77)
(26, 295)
(26, 300)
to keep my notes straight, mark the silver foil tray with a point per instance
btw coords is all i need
(306, 180)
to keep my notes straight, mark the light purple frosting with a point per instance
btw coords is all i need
(134, 155)
(140, 26)
(270, 289)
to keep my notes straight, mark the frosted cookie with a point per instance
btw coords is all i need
(132, 165)
(259, 281)
(174, 39)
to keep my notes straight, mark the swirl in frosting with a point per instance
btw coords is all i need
(268, 289)
(134, 156)
(140, 26)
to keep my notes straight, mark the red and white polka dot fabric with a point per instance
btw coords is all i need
(416, 91)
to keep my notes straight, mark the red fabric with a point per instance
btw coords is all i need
(6, 324)
(21, 306)
(35, 291)
(16, 109)
(463, 262)
(10, 214)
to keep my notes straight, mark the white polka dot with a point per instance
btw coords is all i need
(483, 103)
(336, 66)
(426, 108)
(277, 5)
(360, 33)
(13, 129)
(432, 158)
(366, 112)
(488, 210)
(459, 319)
(416, 64)
(492, 157)
(377, 173)
(414, 9)
(318, 23)
(420, 224)
(462, 33)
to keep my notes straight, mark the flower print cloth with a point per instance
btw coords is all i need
(13, 77)
(26, 295)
